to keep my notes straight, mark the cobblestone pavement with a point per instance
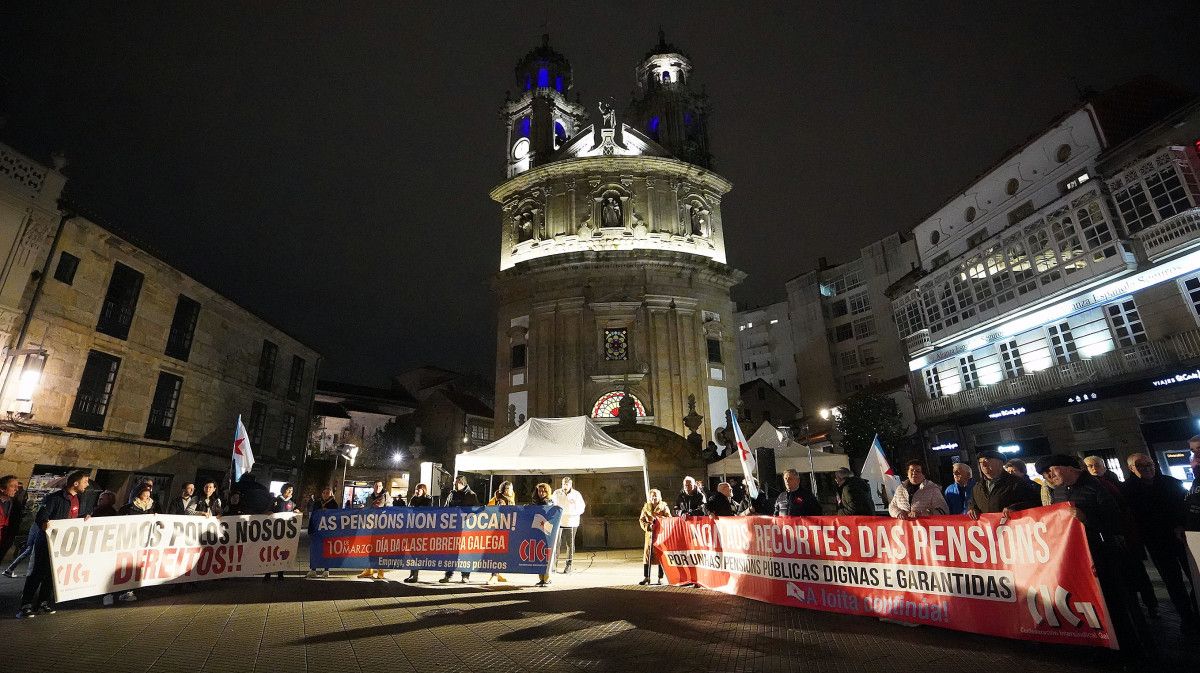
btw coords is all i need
(595, 619)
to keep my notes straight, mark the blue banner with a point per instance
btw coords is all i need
(465, 539)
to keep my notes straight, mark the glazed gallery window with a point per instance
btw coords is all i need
(95, 391)
(967, 372)
(860, 303)
(616, 343)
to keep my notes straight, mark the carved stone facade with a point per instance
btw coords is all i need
(613, 284)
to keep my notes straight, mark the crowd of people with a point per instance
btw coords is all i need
(1126, 521)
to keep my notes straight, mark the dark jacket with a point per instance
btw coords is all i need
(57, 506)
(690, 504)
(253, 497)
(318, 503)
(181, 505)
(1098, 509)
(210, 505)
(1008, 491)
(399, 501)
(1157, 507)
(284, 504)
(130, 509)
(854, 497)
(719, 505)
(463, 498)
(420, 501)
(1191, 511)
(800, 502)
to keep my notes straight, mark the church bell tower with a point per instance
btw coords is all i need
(541, 118)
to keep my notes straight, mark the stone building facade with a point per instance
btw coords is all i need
(766, 350)
(612, 279)
(130, 368)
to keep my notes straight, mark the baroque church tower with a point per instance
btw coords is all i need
(613, 287)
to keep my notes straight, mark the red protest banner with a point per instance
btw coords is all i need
(1030, 578)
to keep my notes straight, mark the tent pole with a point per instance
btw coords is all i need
(490, 489)
(646, 477)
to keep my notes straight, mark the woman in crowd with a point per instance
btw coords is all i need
(542, 496)
(504, 495)
(209, 503)
(420, 498)
(284, 504)
(377, 499)
(142, 503)
(652, 511)
(324, 501)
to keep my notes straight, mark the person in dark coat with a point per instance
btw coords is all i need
(1096, 467)
(324, 501)
(797, 500)
(420, 498)
(999, 491)
(1100, 513)
(690, 501)
(1156, 502)
(65, 504)
(721, 502)
(461, 496)
(853, 494)
(209, 503)
(9, 486)
(252, 497)
(185, 502)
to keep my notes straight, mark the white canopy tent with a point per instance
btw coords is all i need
(554, 446)
(788, 455)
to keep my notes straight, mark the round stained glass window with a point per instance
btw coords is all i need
(609, 405)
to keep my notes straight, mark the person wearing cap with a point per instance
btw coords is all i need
(999, 491)
(1100, 513)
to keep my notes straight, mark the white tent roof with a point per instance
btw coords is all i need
(553, 446)
(787, 455)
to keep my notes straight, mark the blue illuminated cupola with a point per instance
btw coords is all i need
(541, 119)
(665, 104)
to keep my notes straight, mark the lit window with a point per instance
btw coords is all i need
(1010, 358)
(1126, 323)
(1062, 343)
(933, 386)
(967, 372)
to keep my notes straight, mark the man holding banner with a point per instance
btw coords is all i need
(64, 504)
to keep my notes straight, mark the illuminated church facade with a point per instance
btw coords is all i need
(613, 280)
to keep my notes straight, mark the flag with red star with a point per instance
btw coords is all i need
(749, 463)
(243, 456)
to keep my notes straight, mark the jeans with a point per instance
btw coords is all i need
(39, 586)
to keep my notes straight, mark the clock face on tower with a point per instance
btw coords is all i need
(520, 149)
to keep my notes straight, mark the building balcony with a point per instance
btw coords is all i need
(1174, 234)
(1182, 348)
(917, 343)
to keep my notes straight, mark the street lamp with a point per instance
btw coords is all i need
(397, 457)
(349, 452)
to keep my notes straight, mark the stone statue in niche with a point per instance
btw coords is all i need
(610, 212)
(639, 226)
(699, 222)
(525, 226)
(608, 115)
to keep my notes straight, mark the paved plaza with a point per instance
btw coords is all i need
(596, 619)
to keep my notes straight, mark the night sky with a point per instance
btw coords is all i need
(327, 165)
